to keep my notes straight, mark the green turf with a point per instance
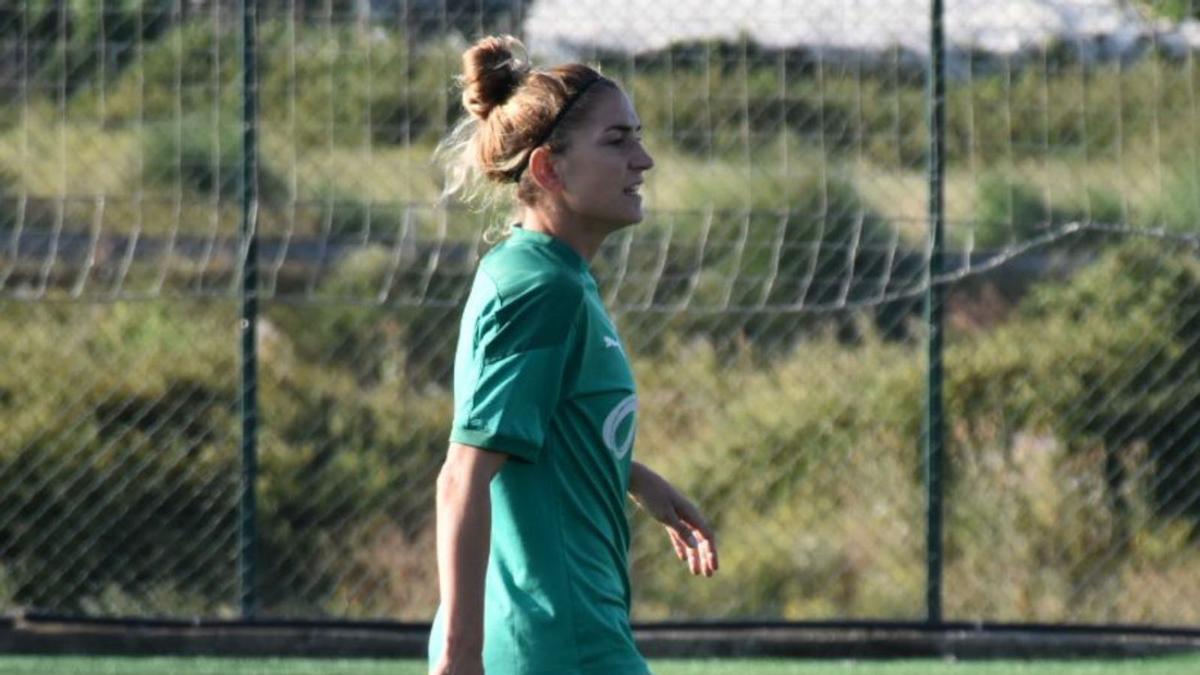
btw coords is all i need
(209, 666)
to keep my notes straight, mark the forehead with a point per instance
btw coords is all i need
(611, 108)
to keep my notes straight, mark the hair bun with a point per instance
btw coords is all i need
(491, 73)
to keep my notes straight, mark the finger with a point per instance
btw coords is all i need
(708, 548)
(693, 561)
(705, 555)
(690, 556)
(678, 545)
(703, 533)
(687, 535)
(680, 528)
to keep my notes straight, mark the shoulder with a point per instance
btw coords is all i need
(524, 275)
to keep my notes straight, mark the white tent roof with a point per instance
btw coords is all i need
(564, 27)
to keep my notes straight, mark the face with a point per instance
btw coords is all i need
(601, 169)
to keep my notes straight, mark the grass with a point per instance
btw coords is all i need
(34, 665)
(87, 162)
(43, 157)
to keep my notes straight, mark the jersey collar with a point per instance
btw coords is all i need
(560, 248)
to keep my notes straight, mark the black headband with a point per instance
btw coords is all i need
(562, 112)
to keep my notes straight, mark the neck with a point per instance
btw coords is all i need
(565, 227)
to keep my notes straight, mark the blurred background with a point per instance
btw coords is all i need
(772, 300)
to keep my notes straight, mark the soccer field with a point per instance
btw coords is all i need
(214, 666)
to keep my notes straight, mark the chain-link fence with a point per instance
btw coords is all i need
(772, 301)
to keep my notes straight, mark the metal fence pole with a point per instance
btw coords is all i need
(248, 531)
(934, 450)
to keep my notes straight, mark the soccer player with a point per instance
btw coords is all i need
(532, 538)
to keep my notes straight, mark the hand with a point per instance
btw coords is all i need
(691, 536)
(448, 665)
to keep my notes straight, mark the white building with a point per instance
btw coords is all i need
(1102, 29)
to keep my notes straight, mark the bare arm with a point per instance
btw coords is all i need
(464, 525)
(691, 536)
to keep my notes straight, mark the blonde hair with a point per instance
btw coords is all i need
(512, 109)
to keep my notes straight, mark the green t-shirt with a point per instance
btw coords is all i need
(541, 375)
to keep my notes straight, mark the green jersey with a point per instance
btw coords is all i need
(541, 375)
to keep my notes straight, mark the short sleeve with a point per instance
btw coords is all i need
(509, 376)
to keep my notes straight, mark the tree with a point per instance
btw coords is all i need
(1176, 10)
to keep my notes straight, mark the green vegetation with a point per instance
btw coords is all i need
(1071, 456)
(203, 156)
(1092, 383)
(162, 442)
(1013, 211)
(1073, 408)
(217, 666)
(1032, 143)
(1172, 9)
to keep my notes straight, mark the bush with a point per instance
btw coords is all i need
(352, 218)
(128, 490)
(708, 99)
(375, 340)
(1012, 210)
(345, 87)
(194, 67)
(814, 244)
(1140, 309)
(795, 463)
(125, 482)
(74, 58)
(340, 460)
(1178, 208)
(340, 88)
(1069, 439)
(1175, 10)
(349, 90)
(8, 198)
(722, 100)
(200, 155)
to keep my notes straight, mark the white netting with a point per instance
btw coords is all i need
(772, 296)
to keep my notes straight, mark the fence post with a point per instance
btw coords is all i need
(933, 441)
(248, 511)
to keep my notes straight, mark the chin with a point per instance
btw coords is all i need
(618, 221)
(634, 216)
(610, 219)
(627, 221)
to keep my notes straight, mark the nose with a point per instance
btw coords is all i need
(641, 161)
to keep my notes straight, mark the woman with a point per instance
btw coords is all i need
(532, 539)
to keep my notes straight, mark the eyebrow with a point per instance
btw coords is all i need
(624, 128)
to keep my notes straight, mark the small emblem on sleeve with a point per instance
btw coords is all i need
(612, 342)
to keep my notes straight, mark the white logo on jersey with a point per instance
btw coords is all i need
(612, 342)
(612, 423)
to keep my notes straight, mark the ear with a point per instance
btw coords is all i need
(543, 170)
